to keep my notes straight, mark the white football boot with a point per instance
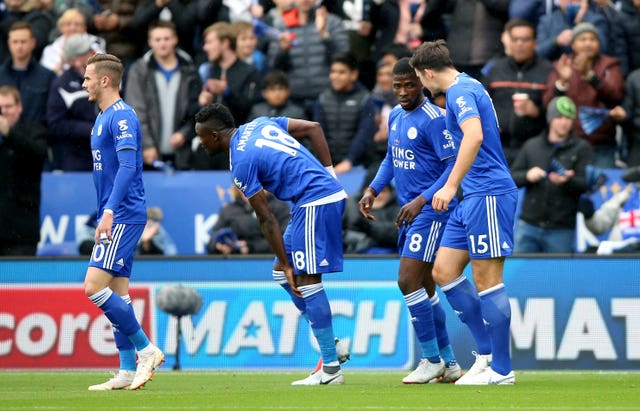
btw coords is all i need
(120, 381)
(147, 365)
(480, 365)
(425, 372)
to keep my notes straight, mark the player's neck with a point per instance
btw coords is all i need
(108, 99)
(448, 77)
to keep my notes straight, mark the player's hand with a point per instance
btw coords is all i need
(366, 202)
(103, 231)
(442, 198)
(291, 279)
(409, 211)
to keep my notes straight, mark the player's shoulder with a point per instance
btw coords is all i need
(430, 110)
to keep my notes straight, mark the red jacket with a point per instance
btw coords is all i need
(608, 92)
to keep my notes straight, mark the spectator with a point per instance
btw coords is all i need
(40, 21)
(474, 36)
(182, 13)
(385, 100)
(629, 17)
(275, 91)
(88, 8)
(114, 24)
(71, 22)
(552, 167)
(590, 79)
(628, 115)
(356, 15)
(70, 115)
(163, 89)
(361, 235)
(85, 234)
(530, 10)
(155, 240)
(23, 148)
(555, 29)
(23, 71)
(346, 112)
(525, 73)
(616, 42)
(237, 230)
(227, 80)
(246, 43)
(310, 37)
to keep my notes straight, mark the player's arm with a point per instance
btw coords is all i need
(469, 146)
(299, 128)
(124, 177)
(270, 228)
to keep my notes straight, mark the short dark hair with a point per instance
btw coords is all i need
(162, 24)
(347, 58)
(432, 55)
(21, 25)
(518, 22)
(216, 117)
(402, 67)
(275, 78)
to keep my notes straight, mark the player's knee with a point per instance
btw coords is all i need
(439, 274)
(407, 285)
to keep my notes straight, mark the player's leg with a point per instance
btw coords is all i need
(109, 269)
(280, 278)
(450, 261)
(316, 243)
(417, 300)
(417, 243)
(452, 369)
(497, 315)
(491, 223)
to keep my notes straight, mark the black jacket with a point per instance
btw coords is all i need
(547, 205)
(507, 77)
(70, 117)
(243, 87)
(22, 153)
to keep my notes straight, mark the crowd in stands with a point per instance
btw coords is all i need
(329, 61)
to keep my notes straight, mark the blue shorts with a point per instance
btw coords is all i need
(117, 257)
(483, 226)
(313, 239)
(420, 240)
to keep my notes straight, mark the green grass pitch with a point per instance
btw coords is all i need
(364, 390)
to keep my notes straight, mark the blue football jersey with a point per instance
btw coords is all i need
(489, 174)
(417, 149)
(264, 155)
(115, 129)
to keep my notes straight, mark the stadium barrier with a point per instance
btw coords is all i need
(567, 313)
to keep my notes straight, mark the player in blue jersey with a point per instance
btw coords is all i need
(419, 157)
(480, 228)
(266, 155)
(117, 175)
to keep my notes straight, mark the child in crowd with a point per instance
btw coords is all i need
(276, 92)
